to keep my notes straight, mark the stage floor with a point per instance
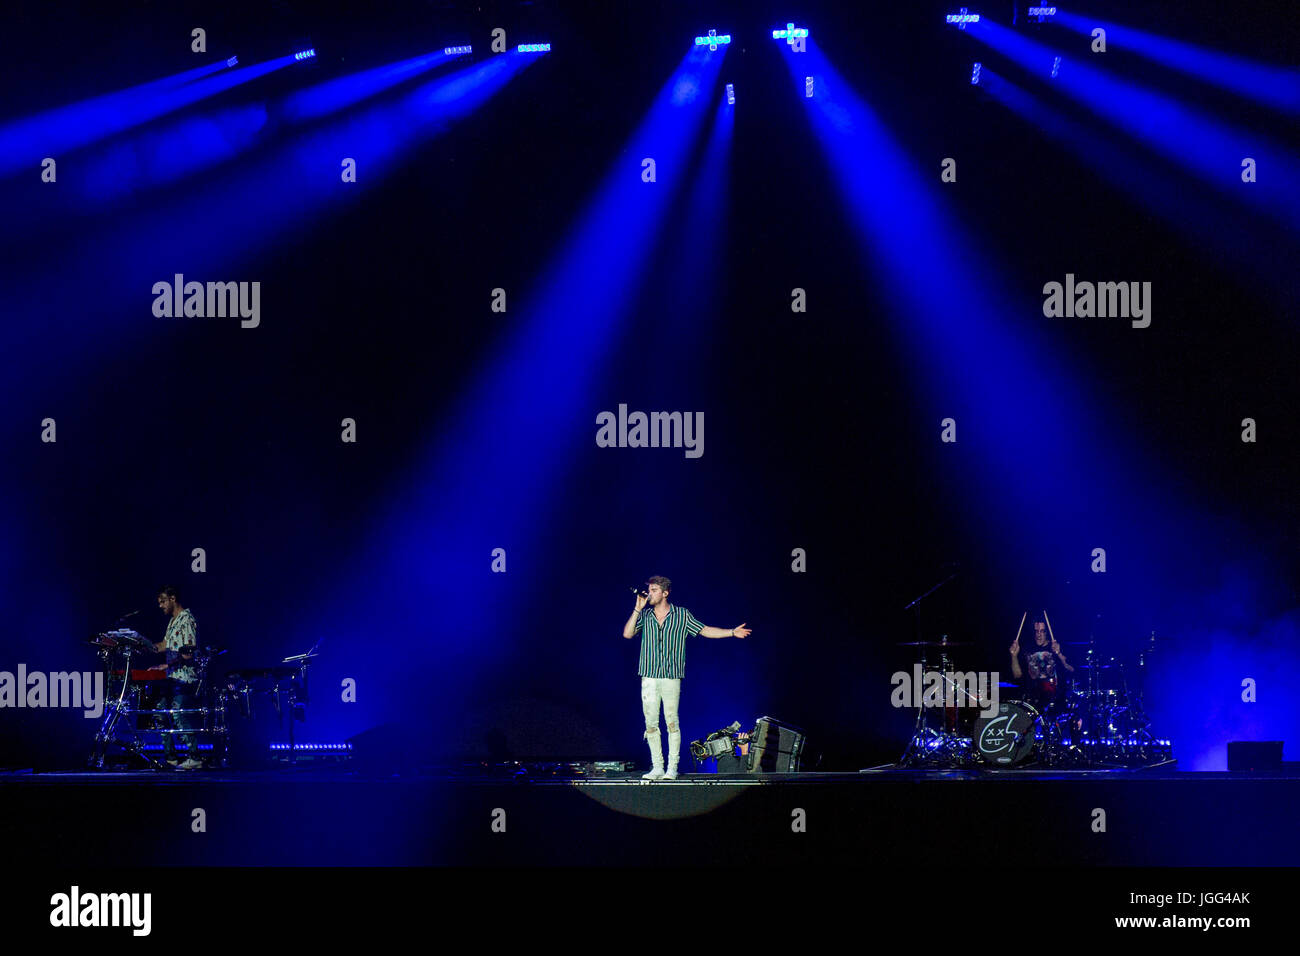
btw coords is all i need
(946, 821)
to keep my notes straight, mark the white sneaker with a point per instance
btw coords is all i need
(670, 773)
(656, 773)
(190, 764)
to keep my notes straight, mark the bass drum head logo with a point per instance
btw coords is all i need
(1008, 737)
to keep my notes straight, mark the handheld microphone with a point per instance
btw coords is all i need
(639, 593)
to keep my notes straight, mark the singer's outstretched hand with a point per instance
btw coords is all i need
(742, 631)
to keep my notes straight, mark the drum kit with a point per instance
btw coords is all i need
(132, 713)
(1093, 717)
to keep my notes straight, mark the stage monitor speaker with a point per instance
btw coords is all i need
(775, 747)
(1255, 755)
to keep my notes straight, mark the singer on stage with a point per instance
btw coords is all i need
(663, 663)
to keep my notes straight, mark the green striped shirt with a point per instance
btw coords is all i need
(663, 646)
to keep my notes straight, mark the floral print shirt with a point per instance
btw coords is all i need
(182, 631)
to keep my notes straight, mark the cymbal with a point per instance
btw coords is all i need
(933, 644)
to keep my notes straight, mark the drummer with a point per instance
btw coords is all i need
(1041, 666)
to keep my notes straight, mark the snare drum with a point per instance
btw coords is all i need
(1044, 688)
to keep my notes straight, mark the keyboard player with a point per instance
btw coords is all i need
(179, 643)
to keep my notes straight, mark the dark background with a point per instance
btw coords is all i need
(176, 435)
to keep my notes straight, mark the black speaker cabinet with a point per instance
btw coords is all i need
(1255, 755)
(775, 747)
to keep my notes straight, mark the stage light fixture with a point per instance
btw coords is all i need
(534, 48)
(1056, 67)
(458, 50)
(305, 54)
(233, 61)
(731, 95)
(975, 74)
(1041, 13)
(963, 18)
(790, 34)
(712, 39)
(808, 86)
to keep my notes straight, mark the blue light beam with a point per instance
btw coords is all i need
(1212, 149)
(24, 143)
(530, 403)
(977, 357)
(337, 94)
(1277, 87)
(243, 213)
(1213, 223)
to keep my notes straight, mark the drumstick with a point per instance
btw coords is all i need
(1021, 627)
(1048, 620)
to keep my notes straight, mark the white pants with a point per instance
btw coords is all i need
(668, 690)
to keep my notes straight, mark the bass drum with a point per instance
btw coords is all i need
(1009, 737)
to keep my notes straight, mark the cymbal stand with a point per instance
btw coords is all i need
(926, 747)
(919, 751)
